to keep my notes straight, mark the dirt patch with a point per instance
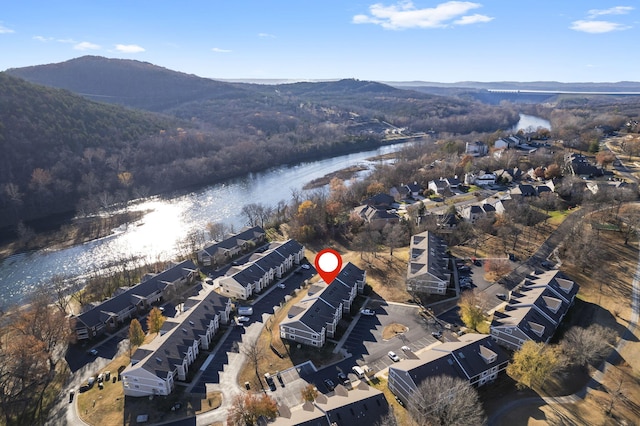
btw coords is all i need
(392, 330)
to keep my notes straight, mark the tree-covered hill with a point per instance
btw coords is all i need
(127, 82)
(245, 107)
(66, 153)
(46, 137)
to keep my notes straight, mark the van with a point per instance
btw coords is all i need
(358, 371)
(245, 310)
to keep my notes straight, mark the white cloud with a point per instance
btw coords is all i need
(597, 27)
(218, 50)
(266, 35)
(473, 19)
(129, 48)
(405, 15)
(43, 39)
(618, 10)
(85, 45)
(5, 30)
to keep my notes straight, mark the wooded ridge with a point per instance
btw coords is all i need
(64, 153)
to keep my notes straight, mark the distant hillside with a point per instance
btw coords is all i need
(46, 136)
(132, 83)
(248, 107)
(67, 153)
(479, 91)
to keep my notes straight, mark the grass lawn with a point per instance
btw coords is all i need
(604, 301)
(109, 406)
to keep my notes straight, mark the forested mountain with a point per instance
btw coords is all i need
(266, 108)
(131, 83)
(62, 152)
(46, 136)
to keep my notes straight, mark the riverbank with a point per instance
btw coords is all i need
(79, 231)
(344, 174)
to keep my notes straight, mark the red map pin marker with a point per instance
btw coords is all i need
(328, 264)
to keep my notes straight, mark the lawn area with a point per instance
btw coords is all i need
(270, 361)
(109, 406)
(604, 299)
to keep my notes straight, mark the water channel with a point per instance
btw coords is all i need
(170, 218)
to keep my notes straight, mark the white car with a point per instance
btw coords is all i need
(368, 312)
(305, 266)
(393, 356)
(93, 352)
(406, 348)
(280, 285)
(243, 319)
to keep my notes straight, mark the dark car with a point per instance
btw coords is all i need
(71, 395)
(329, 384)
(342, 378)
(279, 376)
(269, 379)
(436, 334)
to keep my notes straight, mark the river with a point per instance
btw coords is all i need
(530, 123)
(169, 220)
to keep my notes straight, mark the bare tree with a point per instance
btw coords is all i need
(388, 419)
(586, 345)
(255, 353)
(446, 400)
(217, 230)
(395, 236)
(60, 289)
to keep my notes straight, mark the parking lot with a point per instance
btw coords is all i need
(366, 343)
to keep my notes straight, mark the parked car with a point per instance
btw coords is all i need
(547, 264)
(280, 285)
(329, 384)
(71, 394)
(342, 378)
(243, 319)
(279, 376)
(368, 312)
(393, 356)
(358, 371)
(406, 348)
(464, 268)
(436, 334)
(501, 296)
(93, 352)
(269, 379)
(305, 266)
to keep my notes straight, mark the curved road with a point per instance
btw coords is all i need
(597, 376)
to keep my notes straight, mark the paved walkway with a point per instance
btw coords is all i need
(598, 375)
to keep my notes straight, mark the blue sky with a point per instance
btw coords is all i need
(441, 41)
